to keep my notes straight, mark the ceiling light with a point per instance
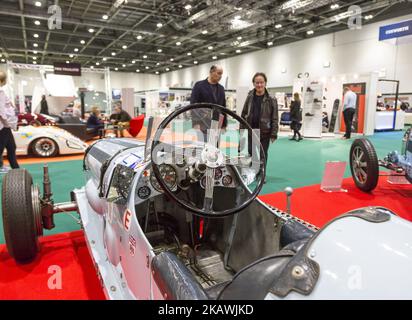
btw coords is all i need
(34, 58)
(133, 61)
(37, 22)
(238, 8)
(123, 65)
(37, 4)
(2, 60)
(113, 54)
(369, 17)
(214, 57)
(171, 59)
(35, 45)
(139, 37)
(295, 4)
(97, 63)
(76, 50)
(180, 66)
(147, 68)
(188, 7)
(35, 52)
(67, 61)
(91, 67)
(178, 43)
(195, 62)
(158, 64)
(91, 30)
(309, 32)
(124, 47)
(116, 69)
(157, 72)
(210, 47)
(104, 59)
(334, 6)
(105, 17)
(270, 43)
(239, 24)
(159, 50)
(35, 35)
(137, 70)
(82, 41)
(237, 18)
(71, 56)
(189, 53)
(144, 57)
(278, 26)
(167, 69)
(239, 38)
(222, 53)
(204, 32)
(238, 51)
(159, 25)
(306, 21)
(34, 62)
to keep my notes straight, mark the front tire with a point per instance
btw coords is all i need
(364, 165)
(21, 216)
(44, 147)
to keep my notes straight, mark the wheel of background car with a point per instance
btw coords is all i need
(364, 164)
(212, 144)
(21, 215)
(44, 147)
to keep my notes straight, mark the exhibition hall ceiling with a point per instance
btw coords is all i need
(157, 36)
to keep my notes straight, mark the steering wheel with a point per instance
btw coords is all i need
(210, 158)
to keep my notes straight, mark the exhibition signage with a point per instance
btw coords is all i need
(396, 30)
(68, 69)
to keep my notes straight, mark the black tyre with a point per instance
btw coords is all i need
(21, 215)
(44, 147)
(364, 164)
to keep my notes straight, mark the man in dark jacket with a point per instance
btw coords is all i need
(208, 91)
(121, 118)
(44, 107)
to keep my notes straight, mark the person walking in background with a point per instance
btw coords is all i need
(349, 108)
(44, 107)
(261, 112)
(296, 117)
(207, 91)
(8, 121)
(94, 122)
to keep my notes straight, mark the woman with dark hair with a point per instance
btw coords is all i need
(261, 112)
(296, 117)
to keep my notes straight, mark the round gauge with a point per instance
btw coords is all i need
(218, 174)
(169, 176)
(227, 180)
(144, 192)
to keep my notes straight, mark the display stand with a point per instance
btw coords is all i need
(333, 176)
(312, 110)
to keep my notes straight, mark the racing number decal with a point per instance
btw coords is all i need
(127, 217)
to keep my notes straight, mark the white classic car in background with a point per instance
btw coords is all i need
(46, 141)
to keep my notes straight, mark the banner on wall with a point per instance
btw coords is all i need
(68, 69)
(359, 117)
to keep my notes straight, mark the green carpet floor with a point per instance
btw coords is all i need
(290, 163)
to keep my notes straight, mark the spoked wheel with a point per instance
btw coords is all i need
(21, 215)
(364, 165)
(44, 147)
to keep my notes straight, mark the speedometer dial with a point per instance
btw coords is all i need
(169, 176)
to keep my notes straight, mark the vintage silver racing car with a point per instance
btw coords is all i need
(364, 162)
(182, 220)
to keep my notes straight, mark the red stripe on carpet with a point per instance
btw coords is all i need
(30, 281)
(319, 207)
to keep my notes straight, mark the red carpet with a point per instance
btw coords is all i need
(79, 280)
(67, 251)
(318, 207)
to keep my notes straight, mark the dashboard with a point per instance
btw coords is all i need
(177, 177)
